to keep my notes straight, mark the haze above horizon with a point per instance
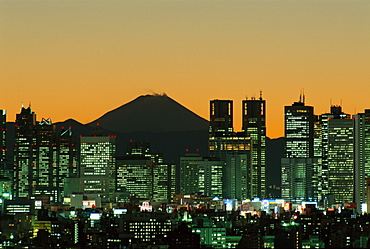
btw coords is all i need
(81, 59)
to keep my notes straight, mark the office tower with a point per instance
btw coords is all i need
(201, 175)
(299, 132)
(39, 157)
(97, 164)
(164, 181)
(211, 177)
(237, 174)
(223, 141)
(338, 155)
(189, 173)
(67, 156)
(135, 176)
(254, 126)
(3, 150)
(143, 173)
(298, 165)
(45, 169)
(221, 118)
(362, 155)
(24, 152)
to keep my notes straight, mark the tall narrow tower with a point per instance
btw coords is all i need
(254, 126)
(299, 165)
(3, 150)
(362, 155)
(25, 152)
(338, 155)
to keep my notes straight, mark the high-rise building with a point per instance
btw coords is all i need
(45, 170)
(338, 155)
(299, 130)
(135, 176)
(254, 126)
(67, 156)
(221, 118)
(223, 142)
(3, 150)
(211, 177)
(201, 175)
(97, 164)
(189, 173)
(238, 175)
(24, 153)
(362, 155)
(40, 160)
(164, 181)
(143, 174)
(299, 165)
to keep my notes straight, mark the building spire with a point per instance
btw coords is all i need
(260, 95)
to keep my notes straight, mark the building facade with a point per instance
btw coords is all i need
(299, 166)
(97, 165)
(362, 155)
(3, 149)
(338, 163)
(40, 157)
(254, 126)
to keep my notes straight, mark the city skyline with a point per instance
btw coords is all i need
(102, 54)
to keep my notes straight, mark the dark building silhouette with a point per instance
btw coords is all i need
(182, 237)
(254, 126)
(221, 118)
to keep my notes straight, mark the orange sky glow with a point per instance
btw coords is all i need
(80, 59)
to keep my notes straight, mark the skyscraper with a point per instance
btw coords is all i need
(189, 173)
(143, 173)
(362, 155)
(201, 175)
(238, 175)
(3, 150)
(24, 153)
(338, 155)
(97, 163)
(135, 176)
(298, 165)
(67, 156)
(254, 126)
(45, 170)
(223, 142)
(221, 118)
(40, 159)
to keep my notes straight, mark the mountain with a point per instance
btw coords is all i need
(152, 113)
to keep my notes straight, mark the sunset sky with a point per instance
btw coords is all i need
(80, 59)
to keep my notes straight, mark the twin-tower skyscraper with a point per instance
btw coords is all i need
(230, 146)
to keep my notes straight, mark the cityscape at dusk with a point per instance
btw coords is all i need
(102, 54)
(184, 124)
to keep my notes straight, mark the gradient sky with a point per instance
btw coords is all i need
(80, 59)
